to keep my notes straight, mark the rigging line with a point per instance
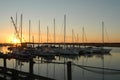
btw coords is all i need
(61, 40)
(99, 68)
(103, 72)
(85, 37)
(92, 67)
(74, 37)
(110, 59)
(21, 66)
(86, 60)
(64, 71)
(83, 72)
(50, 39)
(16, 64)
(76, 40)
(99, 72)
(107, 35)
(13, 64)
(54, 71)
(47, 69)
(38, 67)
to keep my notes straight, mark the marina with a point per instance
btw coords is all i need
(60, 40)
(48, 66)
(28, 58)
(63, 54)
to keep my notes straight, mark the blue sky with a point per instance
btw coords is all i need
(87, 13)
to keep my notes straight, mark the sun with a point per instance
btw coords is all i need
(15, 40)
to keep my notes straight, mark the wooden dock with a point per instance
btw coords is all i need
(19, 75)
(13, 74)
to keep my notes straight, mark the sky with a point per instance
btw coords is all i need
(79, 13)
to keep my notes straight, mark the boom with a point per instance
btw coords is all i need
(17, 32)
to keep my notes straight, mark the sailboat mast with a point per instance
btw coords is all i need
(39, 31)
(17, 26)
(103, 44)
(54, 30)
(77, 38)
(47, 34)
(16, 19)
(72, 36)
(21, 28)
(83, 36)
(64, 30)
(102, 32)
(29, 29)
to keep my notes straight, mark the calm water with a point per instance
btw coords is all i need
(58, 71)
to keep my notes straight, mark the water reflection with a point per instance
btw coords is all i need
(4, 49)
(55, 67)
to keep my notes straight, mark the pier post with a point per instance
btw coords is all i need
(69, 73)
(30, 69)
(4, 64)
(31, 66)
(14, 75)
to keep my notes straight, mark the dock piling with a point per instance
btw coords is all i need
(69, 73)
(31, 66)
(4, 64)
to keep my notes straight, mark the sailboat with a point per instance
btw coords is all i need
(101, 49)
(66, 51)
(85, 49)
